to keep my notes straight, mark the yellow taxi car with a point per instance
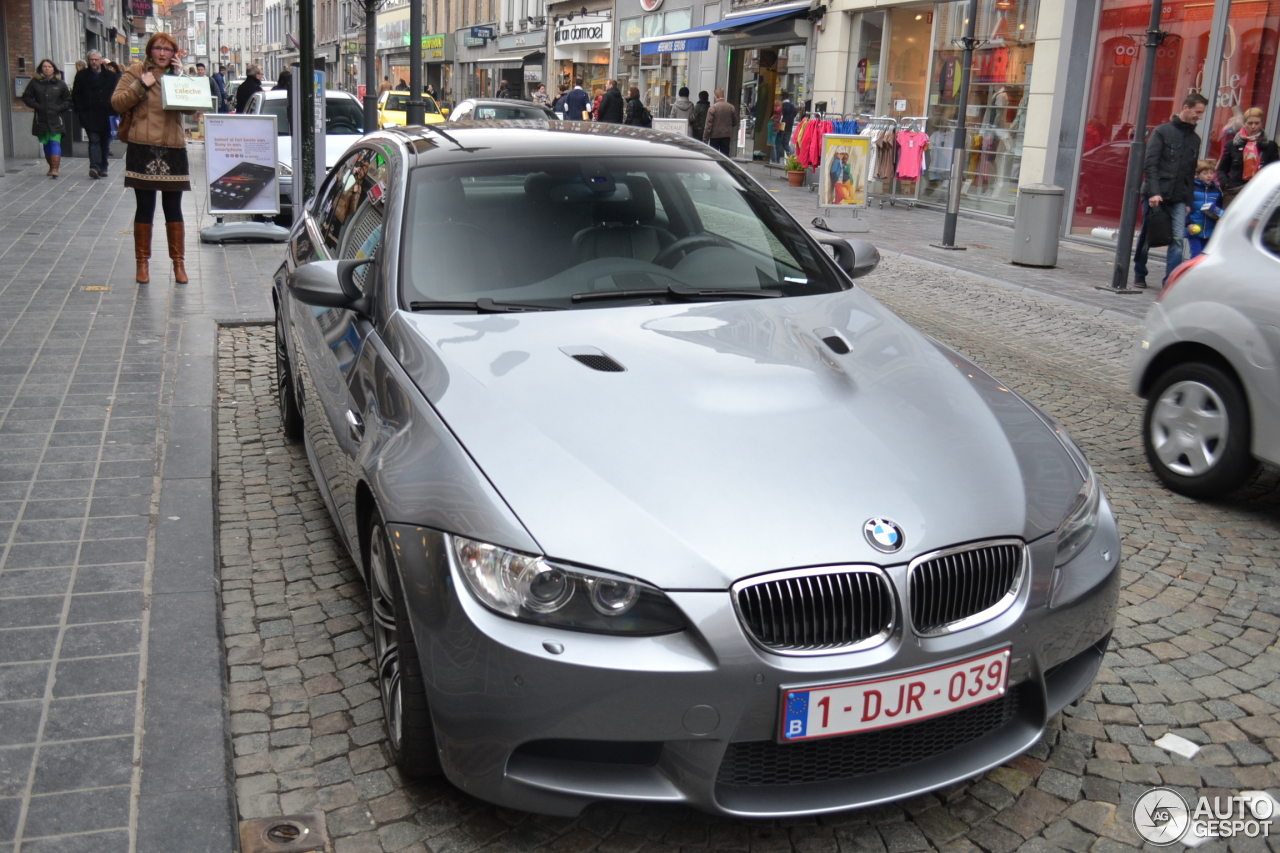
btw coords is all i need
(392, 106)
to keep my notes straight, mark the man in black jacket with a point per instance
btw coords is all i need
(1170, 173)
(611, 105)
(91, 99)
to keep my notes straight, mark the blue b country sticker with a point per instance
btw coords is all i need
(797, 717)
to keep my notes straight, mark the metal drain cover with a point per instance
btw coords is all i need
(295, 833)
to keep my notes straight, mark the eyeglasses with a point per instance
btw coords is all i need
(162, 47)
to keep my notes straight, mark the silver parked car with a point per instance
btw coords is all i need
(653, 503)
(1206, 362)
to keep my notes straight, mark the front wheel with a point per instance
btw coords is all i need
(410, 733)
(1196, 431)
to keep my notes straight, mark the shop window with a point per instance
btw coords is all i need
(674, 22)
(630, 31)
(653, 25)
(1248, 68)
(996, 110)
(1113, 97)
(864, 69)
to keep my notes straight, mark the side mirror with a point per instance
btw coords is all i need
(444, 111)
(330, 284)
(855, 257)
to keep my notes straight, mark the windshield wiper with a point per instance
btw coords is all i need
(679, 291)
(484, 305)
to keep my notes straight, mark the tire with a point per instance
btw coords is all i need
(286, 392)
(411, 735)
(1196, 431)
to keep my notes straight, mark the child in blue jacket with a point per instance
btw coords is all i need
(1205, 208)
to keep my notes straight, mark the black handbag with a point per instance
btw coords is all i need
(1159, 226)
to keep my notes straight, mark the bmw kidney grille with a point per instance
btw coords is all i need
(956, 588)
(817, 611)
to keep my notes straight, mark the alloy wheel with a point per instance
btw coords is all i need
(386, 638)
(1189, 428)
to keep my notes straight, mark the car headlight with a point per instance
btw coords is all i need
(283, 168)
(1081, 520)
(534, 589)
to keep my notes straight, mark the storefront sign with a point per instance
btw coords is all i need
(674, 46)
(484, 33)
(141, 8)
(672, 125)
(533, 73)
(650, 5)
(584, 32)
(522, 40)
(201, 42)
(240, 159)
(842, 174)
(472, 41)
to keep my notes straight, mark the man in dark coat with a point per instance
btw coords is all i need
(91, 98)
(576, 102)
(1170, 174)
(611, 105)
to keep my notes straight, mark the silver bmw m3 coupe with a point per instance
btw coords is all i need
(653, 502)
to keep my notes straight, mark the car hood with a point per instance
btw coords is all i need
(735, 441)
(335, 145)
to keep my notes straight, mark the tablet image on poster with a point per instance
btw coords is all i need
(241, 163)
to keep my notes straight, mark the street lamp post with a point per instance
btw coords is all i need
(218, 23)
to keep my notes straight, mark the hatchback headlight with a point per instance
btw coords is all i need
(1081, 520)
(534, 589)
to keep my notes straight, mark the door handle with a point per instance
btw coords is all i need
(355, 426)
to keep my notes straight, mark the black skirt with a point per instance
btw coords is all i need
(154, 167)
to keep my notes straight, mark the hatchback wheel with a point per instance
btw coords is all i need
(286, 393)
(1196, 431)
(410, 732)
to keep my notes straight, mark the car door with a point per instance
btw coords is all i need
(1262, 292)
(345, 223)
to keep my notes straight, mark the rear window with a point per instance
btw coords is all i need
(504, 112)
(542, 231)
(399, 102)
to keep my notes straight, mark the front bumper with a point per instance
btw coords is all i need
(548, 720)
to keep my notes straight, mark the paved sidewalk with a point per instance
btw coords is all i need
(112, 706)
(910, 232)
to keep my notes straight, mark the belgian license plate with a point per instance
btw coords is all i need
(863, 706)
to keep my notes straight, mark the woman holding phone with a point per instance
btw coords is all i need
(156, 160)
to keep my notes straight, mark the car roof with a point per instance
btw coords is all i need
(505, 102)
(435, 144)
(328, 93)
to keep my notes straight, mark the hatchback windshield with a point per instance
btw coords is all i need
(399, 102)
(561, 233)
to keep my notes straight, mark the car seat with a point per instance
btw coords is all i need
(620, 229)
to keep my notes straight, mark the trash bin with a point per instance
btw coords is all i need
(1036, 224)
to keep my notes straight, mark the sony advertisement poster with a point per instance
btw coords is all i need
(241, 157)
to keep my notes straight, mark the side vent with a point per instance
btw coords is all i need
(593, 358)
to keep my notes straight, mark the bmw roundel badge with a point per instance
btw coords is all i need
(884, 535)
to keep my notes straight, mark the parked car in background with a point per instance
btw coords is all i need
(493, 109)
(1207, 360)
(654, 503)
(392, 106)
(344, 125)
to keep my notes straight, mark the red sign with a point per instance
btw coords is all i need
(361, 91)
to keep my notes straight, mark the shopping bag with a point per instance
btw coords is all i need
(179, 92)
(115, 127)
(1159, 226)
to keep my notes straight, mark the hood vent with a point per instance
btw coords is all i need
(835, 340)
(593, 358)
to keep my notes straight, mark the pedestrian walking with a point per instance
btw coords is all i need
(285, 84)
(91, 97)
(597, 95)
(788, 122)
(637, 114)
(251, 86)
(504, 91)
(1206, 207)
(577, 105)
(683, 107)
(699, 118)
(722, 118)
(156, 159)
(48, 97)
(384, 86)
(612, 108)
(1244, 154)
(220, 89)
(404, 85)
(1170, 169)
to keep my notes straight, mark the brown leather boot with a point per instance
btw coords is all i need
(54, 162)
(176, 232)
(142, 250)
(49, 159)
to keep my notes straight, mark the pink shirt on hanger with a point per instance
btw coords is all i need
(911, 145)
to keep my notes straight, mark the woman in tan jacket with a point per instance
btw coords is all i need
(157, 155)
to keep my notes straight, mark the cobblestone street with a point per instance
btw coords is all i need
(1194, 652)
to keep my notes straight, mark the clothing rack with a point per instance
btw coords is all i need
(874, 124)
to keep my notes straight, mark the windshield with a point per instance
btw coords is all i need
(545, 231)
(341, 115)
(399, 102)
(504, 112)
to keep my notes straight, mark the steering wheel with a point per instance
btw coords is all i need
(687, 245)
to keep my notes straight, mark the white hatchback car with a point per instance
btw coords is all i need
(1208, 358)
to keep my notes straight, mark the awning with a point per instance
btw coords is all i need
(516, 59)
(698, 38)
